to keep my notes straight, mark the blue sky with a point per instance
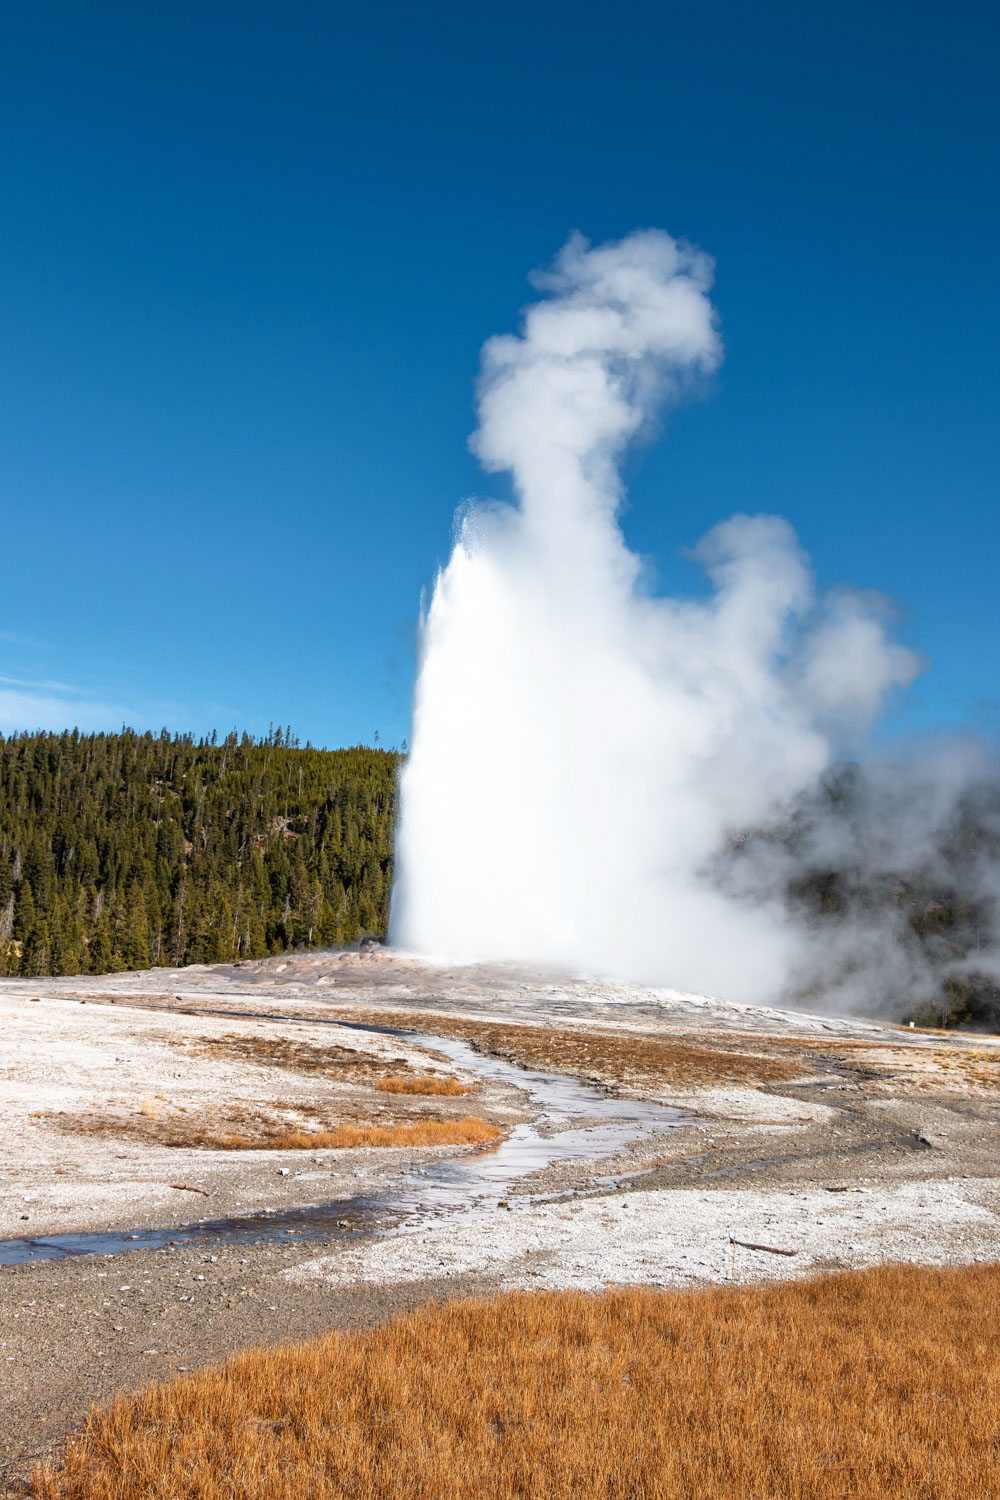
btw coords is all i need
(249, 253)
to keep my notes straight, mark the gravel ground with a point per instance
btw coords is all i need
(684, 1237)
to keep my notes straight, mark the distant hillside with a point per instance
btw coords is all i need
(122, 851)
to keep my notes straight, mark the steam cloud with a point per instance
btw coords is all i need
(607, 780)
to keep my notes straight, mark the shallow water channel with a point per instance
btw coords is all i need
(576, 1122)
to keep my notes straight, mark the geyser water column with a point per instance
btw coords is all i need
(581, 748)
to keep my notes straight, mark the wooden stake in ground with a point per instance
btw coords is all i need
(748, 1245)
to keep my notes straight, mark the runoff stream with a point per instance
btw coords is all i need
(475, 1182)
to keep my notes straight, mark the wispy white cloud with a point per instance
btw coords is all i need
(12, 638)
(53, 710)
(42, 703)
(35, 684)
(30, 700)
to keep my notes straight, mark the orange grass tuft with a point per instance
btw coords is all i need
(467, 1132)
(450, 1086)
(861, 1385)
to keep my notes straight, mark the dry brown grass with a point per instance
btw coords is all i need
(609, 1057)
(889, 1068)
(345, 1064)
(866, 1385)
(285, 1125)
(242, 1129)
(979, 1069)
(118, 997)
(235, 1128)
(467, 1132)
(449, 1086)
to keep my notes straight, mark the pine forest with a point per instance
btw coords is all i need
(126, 851)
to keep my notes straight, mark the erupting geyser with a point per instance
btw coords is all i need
(582, 749)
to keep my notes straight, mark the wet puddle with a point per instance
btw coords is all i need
(576, 1122)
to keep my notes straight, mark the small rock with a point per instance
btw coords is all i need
(283, 1171)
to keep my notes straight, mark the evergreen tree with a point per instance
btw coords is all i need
(123, 851)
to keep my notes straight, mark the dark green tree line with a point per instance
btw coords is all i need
(125, 851)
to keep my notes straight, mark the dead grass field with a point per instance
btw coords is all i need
(861, 1385)
(448, 1086)
(974, 1070)
(979, 1068)
(605, 1056)
(467, 1132)
(344, 1064)
(242, 1129)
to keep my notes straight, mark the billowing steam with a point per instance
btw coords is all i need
(607, 780)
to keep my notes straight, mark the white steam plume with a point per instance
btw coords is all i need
(582, 750)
